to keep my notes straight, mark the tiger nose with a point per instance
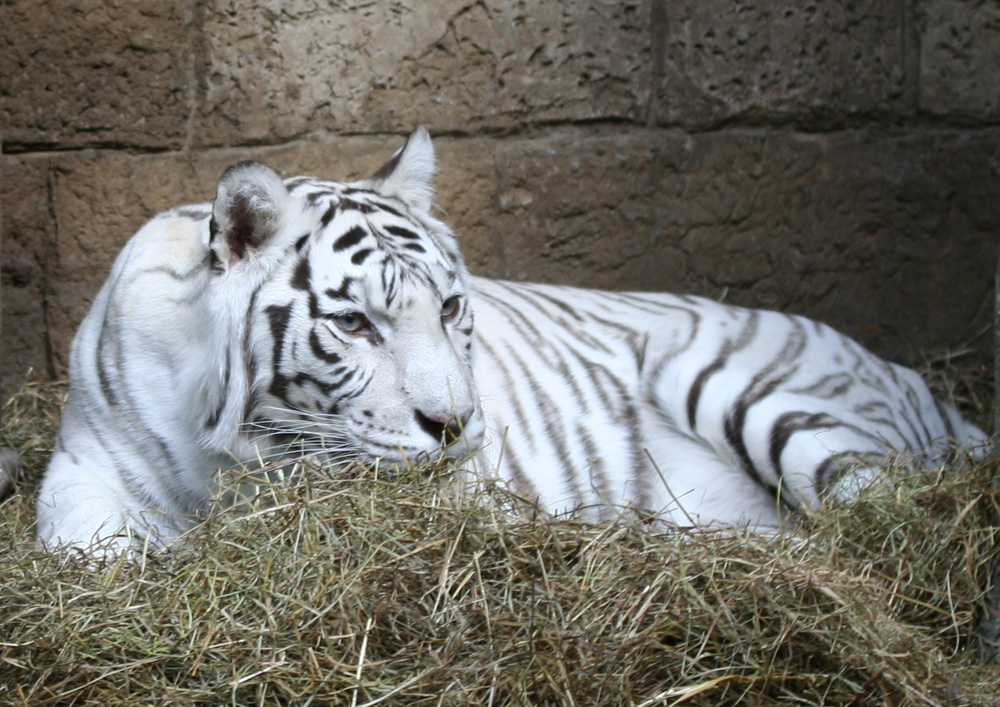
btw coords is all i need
(442, 426)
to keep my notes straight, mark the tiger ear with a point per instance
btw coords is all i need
(249, 205)
(409, 174)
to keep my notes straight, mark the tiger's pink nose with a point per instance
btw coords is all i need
(442, 426)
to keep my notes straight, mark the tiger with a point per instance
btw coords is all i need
(340, 318)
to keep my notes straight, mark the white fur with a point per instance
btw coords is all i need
(585, 400)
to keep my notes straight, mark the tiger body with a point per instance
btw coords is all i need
(331, 317)
(701, 412)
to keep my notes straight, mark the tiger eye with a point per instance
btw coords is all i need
(449, 308)
(351, 322)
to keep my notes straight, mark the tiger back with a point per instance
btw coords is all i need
(700, 412)
(314, 317)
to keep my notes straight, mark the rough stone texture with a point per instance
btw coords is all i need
(28, 227)
(808, 62)
(960, 58)
(385, 67)
(78, 73)
(846, 229)
(841, 160)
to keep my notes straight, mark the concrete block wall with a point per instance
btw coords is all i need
(840, 160)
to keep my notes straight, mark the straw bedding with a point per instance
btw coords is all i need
(352, 587)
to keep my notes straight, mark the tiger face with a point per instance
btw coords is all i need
(360, 335)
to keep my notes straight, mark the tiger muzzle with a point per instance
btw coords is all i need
(444, 427)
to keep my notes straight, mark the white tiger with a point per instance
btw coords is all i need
(341, 315)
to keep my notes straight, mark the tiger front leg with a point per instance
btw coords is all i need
(80, 508)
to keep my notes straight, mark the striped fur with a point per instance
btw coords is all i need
(322, 317)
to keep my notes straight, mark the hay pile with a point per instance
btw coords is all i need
(356, 589)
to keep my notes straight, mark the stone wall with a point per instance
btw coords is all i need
(835, 159)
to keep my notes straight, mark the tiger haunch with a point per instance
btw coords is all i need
(313, 316)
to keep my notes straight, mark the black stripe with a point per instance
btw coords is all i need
(559, 304)
(213, 420)
(278, 318)
(386, 170)
(946, 418)
(390, 280)
(790, 423)
(328, 216)
(147, 443)
(360, 256)
(107, 388)
(598, 342)
(302, 275)
(403, 232)
(868, 409)
(318, 350)
(314, 310)
(279, 389)
(517, 316)
(829, 386)
(639, 345)
(341, 292)
(215, 264)
(555, 433)
(351, 238)
(352, 205)
(762, 385)
(252, 402)
(913, 398)
(374, 201)
(314, 196)
(388, 209)
(728, 349)
(596, 464)
(515, 468)
(827, 472)
(510, 385)
(250, 365)
(324, 387)
(593, 370)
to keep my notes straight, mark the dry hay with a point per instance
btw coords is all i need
(355, 588)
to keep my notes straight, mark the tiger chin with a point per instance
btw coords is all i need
(311, 316)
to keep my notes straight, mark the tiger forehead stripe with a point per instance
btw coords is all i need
(328, 216)
(372, 201)
(341, 292)
(360, 256)
(351, 238)
(402, 232)
(352, 205)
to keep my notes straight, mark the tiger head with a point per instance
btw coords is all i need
(359, 329)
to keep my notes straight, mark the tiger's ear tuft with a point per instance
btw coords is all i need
(249, 205)
(409, 174)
